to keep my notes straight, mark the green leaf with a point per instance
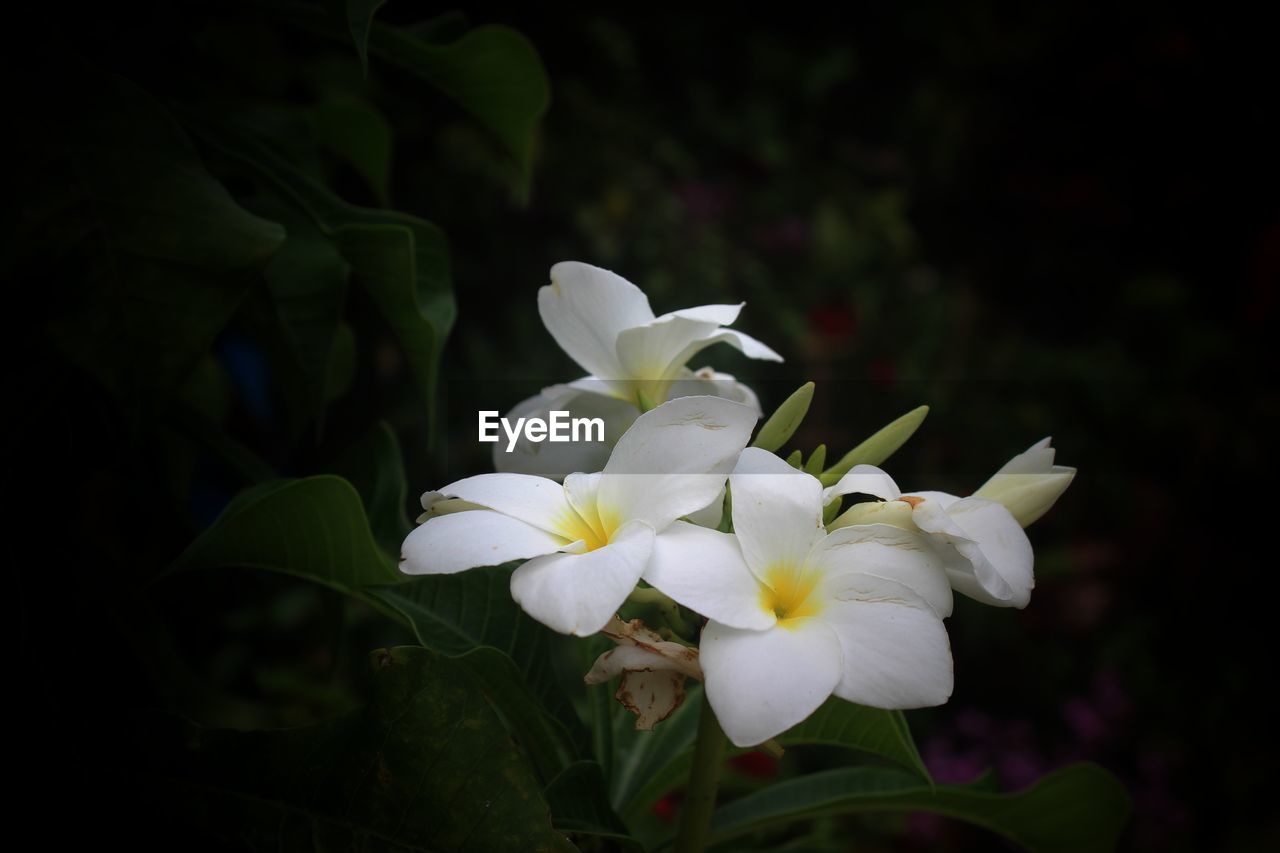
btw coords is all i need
(375, 467)
(426, 766)
(795, 458)
(314, 528)
(402, 261)
(783, 423)
(355, 131)
(1080, 807)
(492, 72)
(579, 803)
(161, 253)
(548, 745)
(878, 447)
(813, 465)
(872, 730)
(650, 763)
(359, 19)
(307, 280)
(455, 613)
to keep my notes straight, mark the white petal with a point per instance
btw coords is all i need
(657, 350)
(579, 593)
(747, 345)
(555, 460)
(704, 570)
(710, 515)
(777, 512)
(890, 553)
(864, 480)
(968, 569)
(761, 683)
(585, 308)
(1003, 545)
(534, 500)
(721, 315)
(894, 647)
(706, 381)
(897, 513)
(463, 540)
(674, 459)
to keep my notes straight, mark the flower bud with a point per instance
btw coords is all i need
(1029, 483)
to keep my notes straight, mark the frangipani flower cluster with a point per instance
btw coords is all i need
(793, 611)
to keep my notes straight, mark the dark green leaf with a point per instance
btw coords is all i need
(313, 528)
(879, 732)
(580, 804)
(1081, 807)
(455, 613)
(307, 280)
(359, 19)
(357, 133)
(162, 252)
(492, 72)
(543, 738)
(651, 763)
(402, 261)
(426, 766)
(375, 467)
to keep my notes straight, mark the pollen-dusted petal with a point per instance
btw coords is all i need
(464, 540)
(674, 459)
(703, 570)
(887, 552)
(761, 683)
(777, 512)
(895, 650)
(578, 593)
(585, 308)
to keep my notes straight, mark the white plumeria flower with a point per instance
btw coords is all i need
(986, 553)
(604, 323)
(1029, 483)
(797, 614)
(588, 541)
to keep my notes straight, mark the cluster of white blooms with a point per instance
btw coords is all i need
(796, 610)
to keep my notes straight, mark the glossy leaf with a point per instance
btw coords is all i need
(650, 763)
(879, 447)
(313, 528)
(426, 766)
(360, 135)
(1080, 807)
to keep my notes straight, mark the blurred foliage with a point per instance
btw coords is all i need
(242, 232)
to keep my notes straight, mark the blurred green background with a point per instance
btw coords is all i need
(1038, 221)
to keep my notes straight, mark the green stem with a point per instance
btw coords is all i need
(700, 796)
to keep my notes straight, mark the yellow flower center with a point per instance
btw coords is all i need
(788, 593)
(593, 526)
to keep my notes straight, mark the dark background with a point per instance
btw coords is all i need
(1037, 221)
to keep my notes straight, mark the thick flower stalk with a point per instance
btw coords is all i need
(587, 542)
(605, 324)
(797, 614)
